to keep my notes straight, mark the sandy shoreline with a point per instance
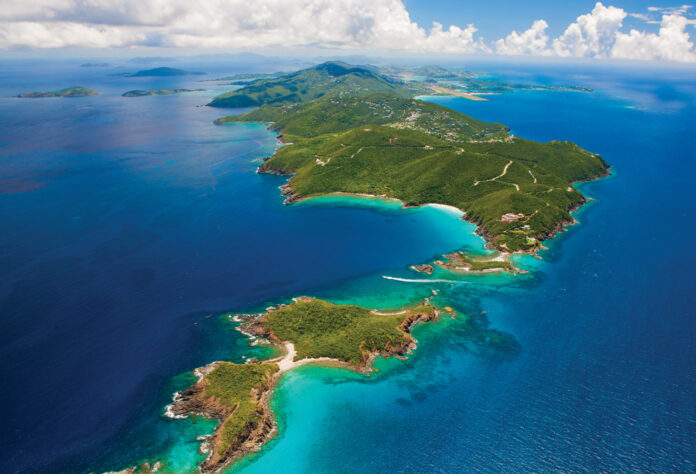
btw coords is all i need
(288, 362)
(383, 197)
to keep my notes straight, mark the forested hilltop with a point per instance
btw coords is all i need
(327, 79)
(385, 143)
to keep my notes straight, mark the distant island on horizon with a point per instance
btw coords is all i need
(163, 72)
(142, 93)
(67, 92)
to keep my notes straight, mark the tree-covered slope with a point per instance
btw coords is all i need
(518, 191)
(347, 333)
(327, 79)
(369, 141)
(337, 114)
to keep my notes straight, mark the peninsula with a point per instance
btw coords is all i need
(307, 330)
(67, 92)
(385, 143)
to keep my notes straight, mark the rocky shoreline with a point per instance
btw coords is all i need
(195, 402)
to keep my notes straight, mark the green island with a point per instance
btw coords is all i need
(461, 261)
(518, 192)
(307, 330)
(328, 79)
(142, 93)
(67, 92)
(163, 72)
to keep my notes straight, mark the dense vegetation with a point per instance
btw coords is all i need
(333, 79)
(488, 181)
(348, 333)
(519, 192)
(238, 387)
(141, 93)
(474, 264)
(331, 115)
(67, 92)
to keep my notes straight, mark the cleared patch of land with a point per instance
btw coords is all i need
(458, 93)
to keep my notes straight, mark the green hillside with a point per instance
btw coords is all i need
(327, 79)
(517, 191)
(338, 114)
(344, 332)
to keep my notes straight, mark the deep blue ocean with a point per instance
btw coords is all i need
(130, 227)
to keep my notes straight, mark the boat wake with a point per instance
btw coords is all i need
(407, 280)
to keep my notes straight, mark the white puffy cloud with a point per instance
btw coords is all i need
(671, 43)
(341, 24)
(598, 35)
(58, 34)
(592, 35)
(229, 24)
(532, 41)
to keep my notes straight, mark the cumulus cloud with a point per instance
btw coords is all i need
(341, 24)
(671, 43)
(230, 24)
(599, 34)
(533, 41)
(592, 34)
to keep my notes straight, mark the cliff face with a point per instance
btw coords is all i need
(411, 320)
(255, 432)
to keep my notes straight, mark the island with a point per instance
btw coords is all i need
(352, 130)
(324, 80)
(463, 262)
(67, 92)
(308, 330)
(142, 93)
(163, 72)
(95, 65)
(383, 143)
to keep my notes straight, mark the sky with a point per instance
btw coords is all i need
(610, 30)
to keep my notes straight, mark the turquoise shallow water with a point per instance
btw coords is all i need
(132, 228)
